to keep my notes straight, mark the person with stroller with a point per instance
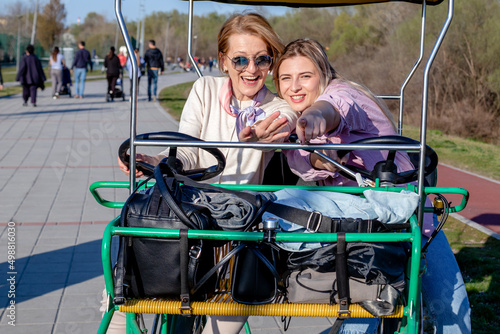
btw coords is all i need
(113, 71)
(218, 108)
(56, 63)
(335, 110)
(30, 75)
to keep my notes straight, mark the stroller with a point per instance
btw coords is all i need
(66, 82)
(118, 93)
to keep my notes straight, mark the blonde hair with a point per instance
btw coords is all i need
(314, 51)
(251, 24)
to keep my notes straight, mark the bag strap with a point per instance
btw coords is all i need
(167, 196)
(119, 298)
(226, 258)
(184, 261)
(342, 283)
(214, 269)
(266, 261)
(315, 221)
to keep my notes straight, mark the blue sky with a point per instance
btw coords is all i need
(132, 8)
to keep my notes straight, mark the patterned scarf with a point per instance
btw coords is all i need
(247, 116)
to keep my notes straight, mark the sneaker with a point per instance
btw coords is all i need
(34, 104)
(54, 97)
(25, 104)
(154, 98)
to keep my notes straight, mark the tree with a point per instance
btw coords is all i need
(51, 23)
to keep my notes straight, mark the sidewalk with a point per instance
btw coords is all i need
(50, 155)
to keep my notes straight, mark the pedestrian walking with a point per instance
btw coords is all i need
(56, 63)
(155, 65)
(113, 69)
(80, 63)
(30, 75)
(210, 63)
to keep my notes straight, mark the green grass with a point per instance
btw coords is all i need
(467, 154)
(9, 74)
(173, 98)
(477, 254)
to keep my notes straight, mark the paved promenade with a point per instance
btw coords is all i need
(49, 157)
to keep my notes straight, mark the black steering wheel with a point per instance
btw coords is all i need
(386, 171)
(195, 174)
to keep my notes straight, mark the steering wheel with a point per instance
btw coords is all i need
(386, 171)
(195, 174)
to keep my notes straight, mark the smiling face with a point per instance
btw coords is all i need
(247, 83)
(299, 82)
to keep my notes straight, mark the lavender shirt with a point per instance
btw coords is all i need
(361, 118)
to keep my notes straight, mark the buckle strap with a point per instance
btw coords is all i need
(315, 221)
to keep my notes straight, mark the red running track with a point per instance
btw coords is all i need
(484, 201)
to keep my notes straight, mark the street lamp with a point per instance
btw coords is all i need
(195, 37)
(166, 37)
(33, 31)
(18, 53)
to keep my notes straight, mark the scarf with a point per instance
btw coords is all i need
(248, 116)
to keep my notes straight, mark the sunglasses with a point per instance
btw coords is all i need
(241, 63)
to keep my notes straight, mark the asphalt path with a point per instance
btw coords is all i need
(483, 207)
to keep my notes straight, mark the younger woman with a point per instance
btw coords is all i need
(56, 63)
(334, 110)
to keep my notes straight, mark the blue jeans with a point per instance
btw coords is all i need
(152, 79)
(80, 75)
(443, 291)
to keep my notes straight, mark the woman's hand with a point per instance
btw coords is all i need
(152, 160)
(266, 131)
(310, 126)
(319, 163)
(316, 120)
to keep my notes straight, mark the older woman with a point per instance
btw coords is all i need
(220, 108)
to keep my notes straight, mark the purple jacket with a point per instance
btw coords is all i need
(30, 71)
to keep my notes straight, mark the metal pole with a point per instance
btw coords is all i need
(116, 36)
(141, 51)
(18, 53)
(190, 33)
(133, 107)
(33, 31)
(425, 94)
(137, 43)
(166, 37)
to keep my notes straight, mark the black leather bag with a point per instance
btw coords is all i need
(255, 275)
(166, 268)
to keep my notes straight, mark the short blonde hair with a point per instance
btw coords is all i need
(252, 24)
